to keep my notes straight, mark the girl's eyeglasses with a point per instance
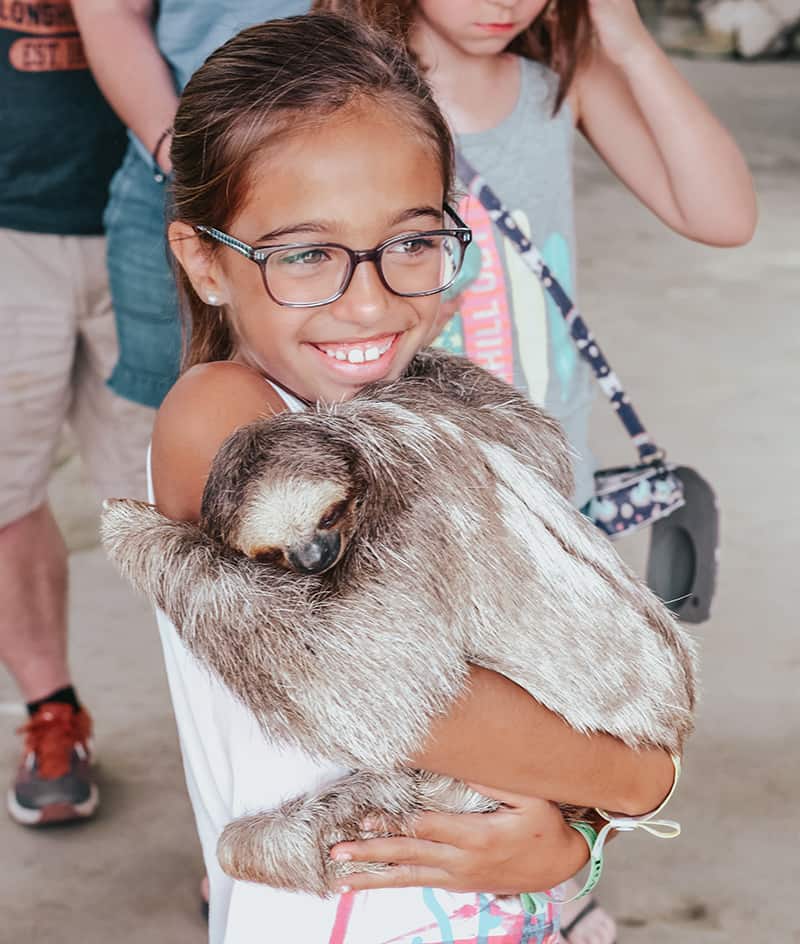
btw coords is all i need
(305, 275)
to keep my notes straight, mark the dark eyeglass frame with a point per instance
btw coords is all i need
(260, 255)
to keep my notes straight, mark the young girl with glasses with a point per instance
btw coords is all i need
(313, 225)
(514, 78)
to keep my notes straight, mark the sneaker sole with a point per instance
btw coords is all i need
(53, 812)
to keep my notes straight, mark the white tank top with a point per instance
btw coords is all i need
(232, 769)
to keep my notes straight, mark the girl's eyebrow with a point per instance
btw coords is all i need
(315, 227)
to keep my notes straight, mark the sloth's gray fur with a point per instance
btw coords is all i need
(463, 548)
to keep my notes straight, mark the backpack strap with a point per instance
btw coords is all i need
(585, 342)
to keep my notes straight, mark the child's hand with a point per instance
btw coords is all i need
(619, 28)
(525, 846)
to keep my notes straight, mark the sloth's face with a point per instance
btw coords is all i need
(300, 523)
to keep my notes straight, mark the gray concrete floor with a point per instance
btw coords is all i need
(708, 343)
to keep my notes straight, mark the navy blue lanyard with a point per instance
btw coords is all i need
(585, 342)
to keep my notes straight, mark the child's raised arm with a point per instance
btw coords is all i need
(121, 47)
(658, 136)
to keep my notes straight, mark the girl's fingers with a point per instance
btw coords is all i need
(395, 849)
(453, 829)
(399, 876)
(513, 800)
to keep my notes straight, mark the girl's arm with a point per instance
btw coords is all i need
(131, 72)
(658, 136)
(498, 735)
(206, 405)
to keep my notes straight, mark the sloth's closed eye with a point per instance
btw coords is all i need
(332, 516)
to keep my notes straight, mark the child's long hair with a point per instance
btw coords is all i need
(264, 84)
(560, 37)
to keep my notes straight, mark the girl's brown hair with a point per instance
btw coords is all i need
(560, 37)
(270, 81)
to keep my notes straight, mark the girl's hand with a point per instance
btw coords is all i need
(619, 28)
(524, 846)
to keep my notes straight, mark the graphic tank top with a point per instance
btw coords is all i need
(506, 323)
(232, 769)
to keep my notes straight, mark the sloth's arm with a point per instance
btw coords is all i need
(168, 561)
(298, 665)
(233, 616)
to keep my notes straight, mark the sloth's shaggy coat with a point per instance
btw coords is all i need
(461, 546)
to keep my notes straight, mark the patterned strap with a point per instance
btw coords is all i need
(583, 338)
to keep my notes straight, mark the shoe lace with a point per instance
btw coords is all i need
(51, 737)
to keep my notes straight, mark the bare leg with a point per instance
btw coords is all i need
(586, 921)
(33, 588)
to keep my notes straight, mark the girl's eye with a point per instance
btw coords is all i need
(415, 247)
(299, 257)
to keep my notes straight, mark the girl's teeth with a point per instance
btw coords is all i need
(358, 356)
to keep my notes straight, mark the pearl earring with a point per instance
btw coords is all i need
(213, 299)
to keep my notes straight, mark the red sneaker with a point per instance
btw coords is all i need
(54, 782)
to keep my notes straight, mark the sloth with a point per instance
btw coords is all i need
(350, 563)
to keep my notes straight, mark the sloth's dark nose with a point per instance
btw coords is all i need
(318, 555)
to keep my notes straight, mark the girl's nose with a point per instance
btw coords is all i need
(367, 300)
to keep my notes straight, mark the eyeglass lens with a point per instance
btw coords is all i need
(416, 265)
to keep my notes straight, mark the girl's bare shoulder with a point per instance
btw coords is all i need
(206, 405)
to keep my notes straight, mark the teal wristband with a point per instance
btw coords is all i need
(589, 833)
(536, 902)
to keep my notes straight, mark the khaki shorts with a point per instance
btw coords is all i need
(57, 347)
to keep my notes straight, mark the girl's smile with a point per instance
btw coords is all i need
(367, 359)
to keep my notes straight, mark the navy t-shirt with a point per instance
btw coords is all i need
(60, 142)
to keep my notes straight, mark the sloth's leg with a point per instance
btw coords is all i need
(289, 847)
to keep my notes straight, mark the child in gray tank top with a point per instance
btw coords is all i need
(514, 78)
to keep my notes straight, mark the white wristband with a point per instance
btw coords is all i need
(535, 902)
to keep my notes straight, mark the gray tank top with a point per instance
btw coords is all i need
(505, 322)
